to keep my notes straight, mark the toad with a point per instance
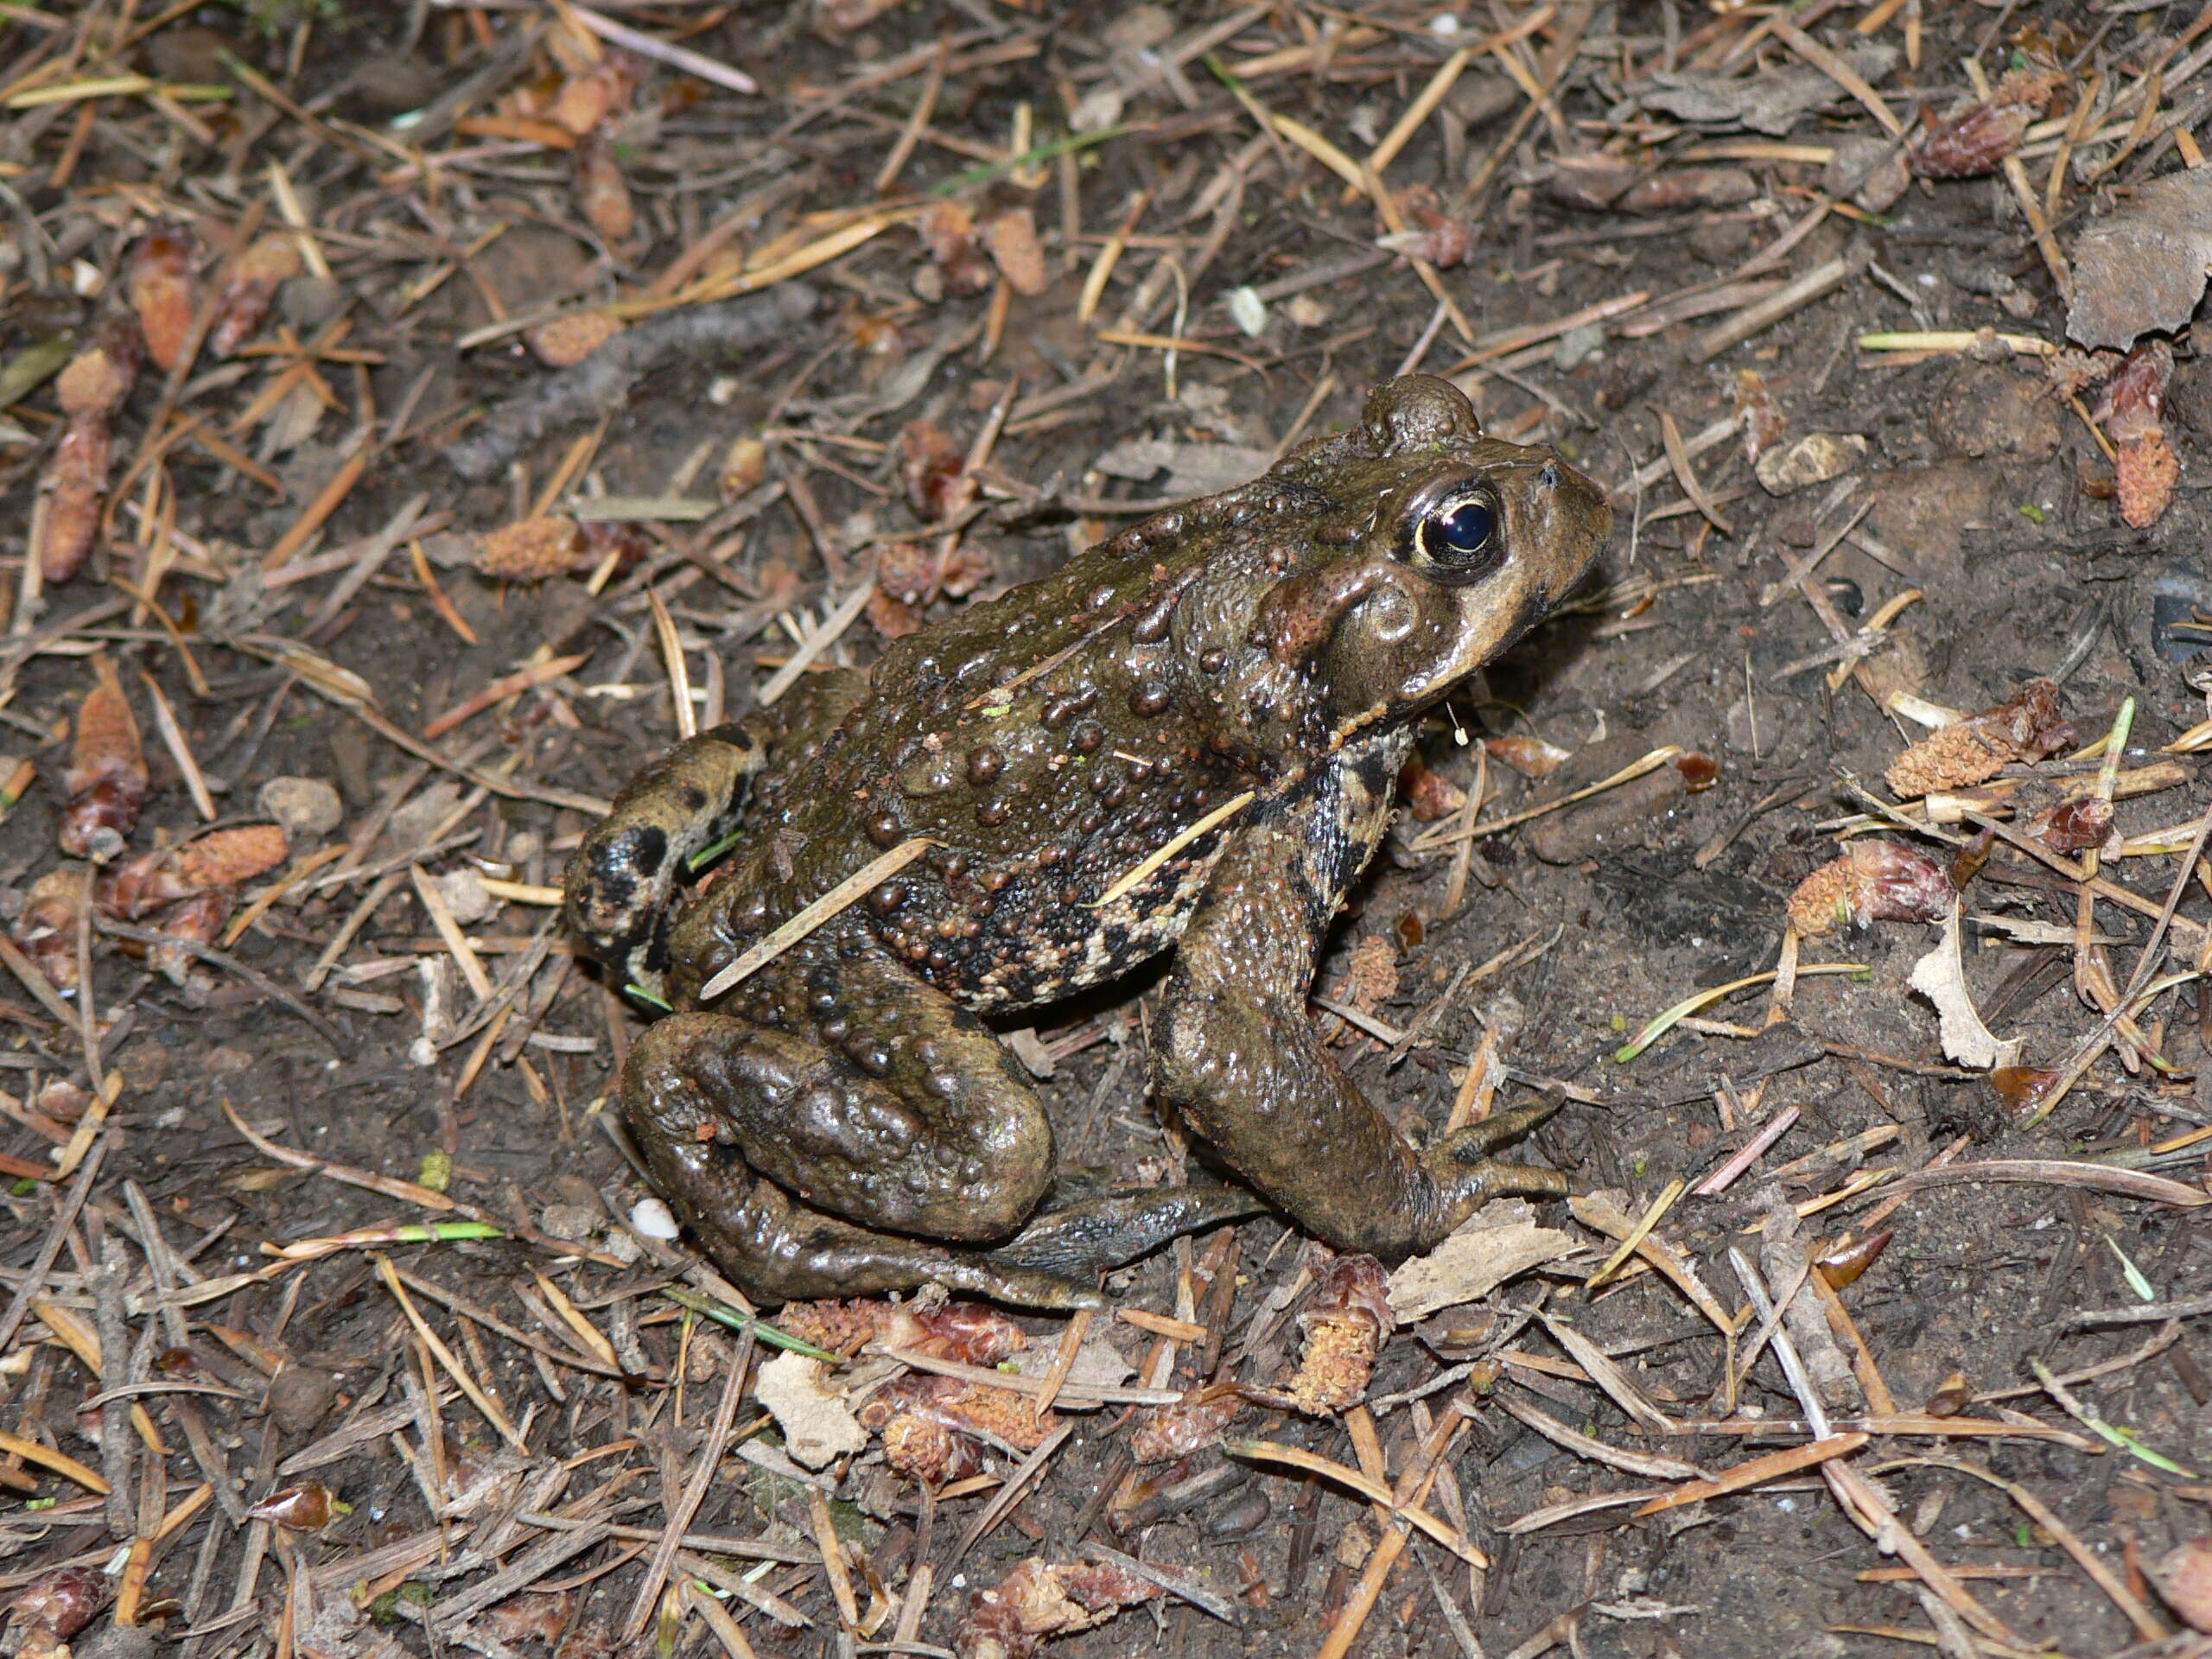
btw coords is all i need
(1186, 739)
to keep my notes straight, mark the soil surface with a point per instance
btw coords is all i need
(1142, 293)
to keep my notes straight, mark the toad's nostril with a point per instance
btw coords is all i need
(1549, 477)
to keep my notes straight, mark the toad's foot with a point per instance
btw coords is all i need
(1462, 1159)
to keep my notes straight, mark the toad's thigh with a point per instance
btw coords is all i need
(944, 1143)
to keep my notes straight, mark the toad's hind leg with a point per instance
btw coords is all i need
(913, 1154)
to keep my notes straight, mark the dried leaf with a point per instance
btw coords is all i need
(2140, 269)
(106, 779)
(158, 279)
(1498, 1242)
(818, 1427)
(1941, 977)
(1872, 881)
(1770, 101)
(272, 261)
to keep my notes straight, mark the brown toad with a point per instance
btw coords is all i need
(1188, 738)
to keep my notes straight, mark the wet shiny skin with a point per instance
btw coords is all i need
(841, 1122)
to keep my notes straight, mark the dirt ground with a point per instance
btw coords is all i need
(1025, 271)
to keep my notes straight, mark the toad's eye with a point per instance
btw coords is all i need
(1460, 537)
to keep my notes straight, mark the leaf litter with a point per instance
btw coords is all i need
(222, 373)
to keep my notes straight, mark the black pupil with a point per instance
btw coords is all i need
(1465, 529)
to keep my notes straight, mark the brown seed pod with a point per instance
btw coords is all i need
(91, 390)
(970, 1332)
(1038, 1599)
(603, 193)
(533, 549)
(1972, 145)
(157, 280)
(745, 468)
(198, 920)
(299, 1509)
(2026, 726)
(1763, 423)
(568, 340)
(1952, 1395)
(947, 233)
(1200, 1419)
(47, 930)
(2074, 826)
(1529, 756)
(1010, 237)
(223, 858)
(272, 261)
(1428, 793)
(2133, 411)
(931, 465)
(1843, 1265)
(915, 1413)
(2023, 1088)
(1346, 1323)
(61, 1603)
(1873, 881)
(106, 779)
(586, 99)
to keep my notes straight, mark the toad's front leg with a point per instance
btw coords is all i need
(1236, 1052)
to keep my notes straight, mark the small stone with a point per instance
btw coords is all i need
(652, 1219)
(300, 1396)
(308, 807)
(1814, 459)
(464, 893)
(572, 1222)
